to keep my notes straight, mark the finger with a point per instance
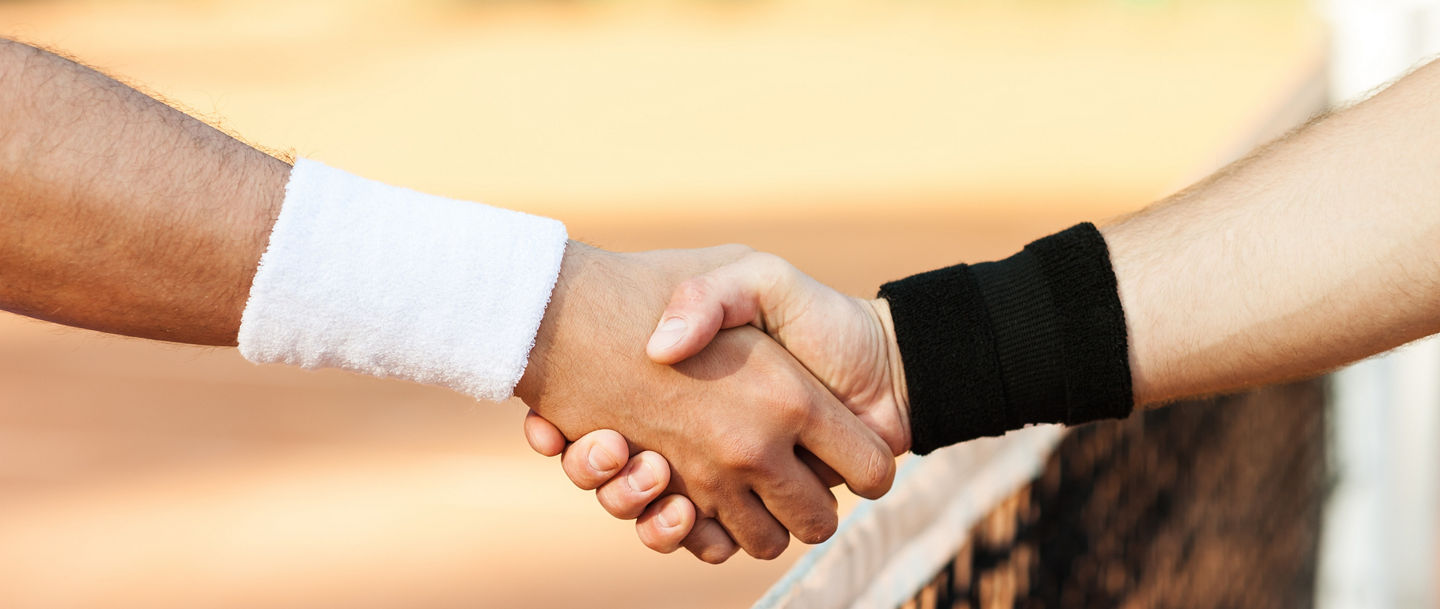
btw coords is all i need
(595, 458)
(640, 482)
(844, 443)
(824, 472)
(666, 524)
(797, 499)
(729, 296)
(710, 542)
(698, 309)
(752, 526)
(544, 437)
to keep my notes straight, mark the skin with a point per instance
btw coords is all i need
(846, 342)
(1314, 251)
(732, 417)
(123, 215)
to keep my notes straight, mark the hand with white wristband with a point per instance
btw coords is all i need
(125, 216)
(393, 283)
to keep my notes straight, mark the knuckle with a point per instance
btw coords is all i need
(793, 406)
(877, 473)
(783, 395)
(770, 548)
(703, 486)
(818, 528)
(743, 454)
(770, 264)
(713, 554)
(692, 291)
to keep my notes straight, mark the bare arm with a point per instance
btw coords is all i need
(121, 214)
(1315, 251)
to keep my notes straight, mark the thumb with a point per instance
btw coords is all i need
(732, 295)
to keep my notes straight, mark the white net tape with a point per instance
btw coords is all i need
(888, 549)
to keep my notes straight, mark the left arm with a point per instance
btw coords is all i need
(121, 214)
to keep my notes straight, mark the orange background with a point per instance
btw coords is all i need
(862, 139)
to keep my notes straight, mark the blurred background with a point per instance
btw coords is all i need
(862, 139)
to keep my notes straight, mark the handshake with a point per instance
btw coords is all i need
(715, 394)
(759, 389)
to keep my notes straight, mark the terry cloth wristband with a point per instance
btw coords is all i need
(1038, 337)
(394, 283)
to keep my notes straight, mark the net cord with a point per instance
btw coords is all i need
(885, 550)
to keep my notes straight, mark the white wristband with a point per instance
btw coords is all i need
(390, 282)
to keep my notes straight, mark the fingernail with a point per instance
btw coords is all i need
(601, 460)
(643, 478)
(669, 332)
(670, 516)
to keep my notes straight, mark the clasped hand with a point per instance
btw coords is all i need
(760, 387)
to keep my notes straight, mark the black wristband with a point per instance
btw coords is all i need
(1036, 338)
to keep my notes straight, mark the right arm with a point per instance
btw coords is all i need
(1314, 251)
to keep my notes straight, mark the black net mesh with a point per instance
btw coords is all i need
(1211, 503)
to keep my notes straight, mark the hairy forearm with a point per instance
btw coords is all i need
(1315, 251)
(121, 214)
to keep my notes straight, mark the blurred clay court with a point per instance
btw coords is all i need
(862, 139)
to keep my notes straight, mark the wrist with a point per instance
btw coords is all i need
(1038, 337)
(393, 283)
(1125, 258)
(894, 366)
(578, 264)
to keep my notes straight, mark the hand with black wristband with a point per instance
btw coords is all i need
(1315, 251)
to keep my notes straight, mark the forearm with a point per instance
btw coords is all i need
(121, 214)
(1313, 252)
